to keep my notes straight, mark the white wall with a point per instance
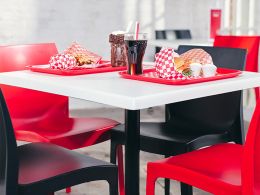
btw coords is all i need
(257, 18)
(86, 21)
(90, 21)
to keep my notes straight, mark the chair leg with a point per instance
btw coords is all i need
(113, 189)
(68, 190)
(113, 151)
(113, 184)
(150, 183)
(120, 162)
(167, 184)
(186, 189)
(116, 152)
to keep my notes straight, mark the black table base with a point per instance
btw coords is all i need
(132, 145)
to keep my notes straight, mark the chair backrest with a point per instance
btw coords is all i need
(183, 34)
(18, 56)
(251, 156)
(251, 43)
(173, 34)
(8, 153)
(24, 103)
(160, 34)
(213, 114)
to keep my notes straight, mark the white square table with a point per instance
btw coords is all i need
(110, 89)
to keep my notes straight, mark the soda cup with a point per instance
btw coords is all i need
(135, 50)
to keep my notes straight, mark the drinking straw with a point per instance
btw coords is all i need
(136, 30)
(129, 26)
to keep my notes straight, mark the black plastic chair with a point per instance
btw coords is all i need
(42, 169)
(160, 34)
(171, 35)
(195, 123)
(183, 34)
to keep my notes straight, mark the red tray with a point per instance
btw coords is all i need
(76, 71)
(150, 75)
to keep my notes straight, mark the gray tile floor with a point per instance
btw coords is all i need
(101, 151)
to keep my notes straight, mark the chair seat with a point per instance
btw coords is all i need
(72, 133)
(41, 164)
(165, 138)
(217, 169)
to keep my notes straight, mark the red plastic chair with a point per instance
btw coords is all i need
(223, 169)
(44, 117)
(251, 43)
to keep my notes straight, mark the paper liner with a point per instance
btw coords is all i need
(62, 61)
(196, 56)
(164, 65)
(82, 55)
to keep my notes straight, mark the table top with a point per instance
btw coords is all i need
(175, 43)
(111, 89)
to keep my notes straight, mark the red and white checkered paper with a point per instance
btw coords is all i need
(75, 49)
(164, 65)
(197, 56)
(62, 61)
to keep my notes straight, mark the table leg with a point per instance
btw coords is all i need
(132, 132)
